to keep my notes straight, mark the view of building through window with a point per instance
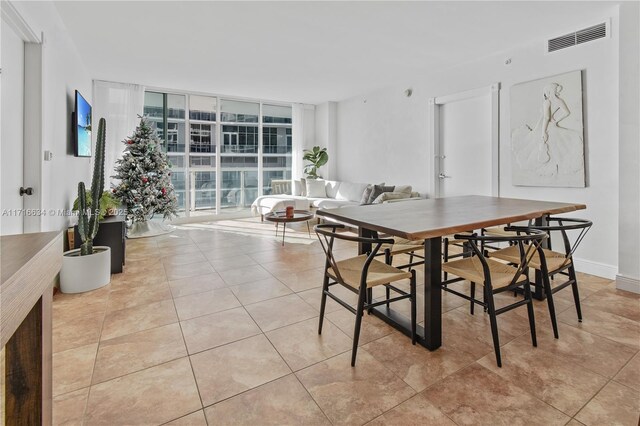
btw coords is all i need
(214, 147)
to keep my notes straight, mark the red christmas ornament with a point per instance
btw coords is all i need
(130, 142)
(113, 190)
(144, 180)
(164, 191)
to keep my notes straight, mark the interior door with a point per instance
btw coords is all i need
(465, 151)
(11, 136)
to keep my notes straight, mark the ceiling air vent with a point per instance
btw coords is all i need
(582, 36)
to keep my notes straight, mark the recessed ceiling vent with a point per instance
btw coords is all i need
(582, 36)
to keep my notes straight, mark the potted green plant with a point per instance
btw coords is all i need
(317, 157)
(108, 204)
(88, 267)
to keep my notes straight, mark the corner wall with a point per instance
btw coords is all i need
(629, 168)
(383, 136)
(63, 73)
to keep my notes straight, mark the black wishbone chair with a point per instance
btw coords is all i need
(496, 277)
(360, 274)
(551, 263)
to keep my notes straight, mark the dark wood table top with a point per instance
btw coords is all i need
(280, 216)
(419, 220)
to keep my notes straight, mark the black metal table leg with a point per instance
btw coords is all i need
(429, 336)
(308, 229)
(433, 293)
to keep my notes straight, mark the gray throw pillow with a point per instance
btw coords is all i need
(366, 194)
(377, 190)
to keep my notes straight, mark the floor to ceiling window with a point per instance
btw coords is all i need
(224, 152)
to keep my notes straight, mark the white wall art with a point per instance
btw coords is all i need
(547, 143)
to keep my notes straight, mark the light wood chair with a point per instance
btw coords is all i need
(496, 277)
(360, 274)
(551, 263)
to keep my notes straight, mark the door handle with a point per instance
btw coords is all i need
(443, 176)
(28, 191)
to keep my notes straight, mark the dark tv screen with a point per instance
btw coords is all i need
(82, 127)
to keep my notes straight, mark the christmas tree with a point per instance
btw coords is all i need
(144, 173)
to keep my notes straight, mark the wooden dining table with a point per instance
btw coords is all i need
(430, 220)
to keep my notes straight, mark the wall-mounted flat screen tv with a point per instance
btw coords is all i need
(82, 127)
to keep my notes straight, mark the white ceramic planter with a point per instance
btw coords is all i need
(85, 273)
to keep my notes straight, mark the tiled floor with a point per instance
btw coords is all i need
(216, 324)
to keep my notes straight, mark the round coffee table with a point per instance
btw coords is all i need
(281, 217)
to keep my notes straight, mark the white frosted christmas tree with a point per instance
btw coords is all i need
(144, 174)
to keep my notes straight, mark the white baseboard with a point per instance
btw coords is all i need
(596, 268)
(628, 284)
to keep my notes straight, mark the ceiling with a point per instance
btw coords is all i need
(303, 51)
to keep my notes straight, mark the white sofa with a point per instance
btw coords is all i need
(336, 194)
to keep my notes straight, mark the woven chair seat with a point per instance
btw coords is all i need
(555, 260)
(470, 268)
(452, 240)
(498, 231)
(379, 272)
(402, 245)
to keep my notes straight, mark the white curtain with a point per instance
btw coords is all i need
(120, 104)
(302, 134)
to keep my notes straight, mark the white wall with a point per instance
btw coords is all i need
(629, 88)
(326, 136)
(383, 136)
(63, 72)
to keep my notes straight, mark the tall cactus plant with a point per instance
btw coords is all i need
(88, 220)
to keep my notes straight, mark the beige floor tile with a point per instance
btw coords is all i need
(302, 263)
(218, 329)
(260, 290)
(598, 354)
(173, 240)
(241, 365)
(127, 297)
(619, 302)
(630, 374)
(300, 345)
(357, 394)
(275, 313)
(176, 272)
(561, 384)
(372, 328)
(475, 395)
(142, 265)
(416, 365)
(614, 404)
(244, 275)
(282, 402)
(68, 408)
(179, 250)
(72, 368)
(138, 279)
(193, 419)
(68, 307)
(218, 253)
(152, 396)
(605, 324)
(302, 280)
(75, 332)
(199, 304)
(138, 318)
(239, 261)
(415, 411)
(197, 284)
(183, 259)
(132, 352)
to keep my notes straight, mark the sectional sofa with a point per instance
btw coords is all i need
(328, 194)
